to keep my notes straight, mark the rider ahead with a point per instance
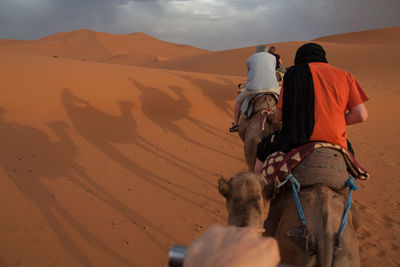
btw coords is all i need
(317, 101)
(261, 78)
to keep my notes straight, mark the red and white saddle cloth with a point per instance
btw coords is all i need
(279, 164)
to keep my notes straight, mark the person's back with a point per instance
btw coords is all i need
(261, 78)
(335, 91)
(261, 72)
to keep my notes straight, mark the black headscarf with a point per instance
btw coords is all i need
(298, 98)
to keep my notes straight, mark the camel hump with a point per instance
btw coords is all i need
(265, 101)
(323, 166)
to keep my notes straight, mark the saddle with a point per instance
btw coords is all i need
(313, 163)
(257, 102)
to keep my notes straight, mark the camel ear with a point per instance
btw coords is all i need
(269, 191)
(224, 187)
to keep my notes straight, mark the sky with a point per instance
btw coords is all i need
(207, 24)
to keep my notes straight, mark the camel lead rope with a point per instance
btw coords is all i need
(352, 186)
(302, 235)
(295, 188)
(338, 237)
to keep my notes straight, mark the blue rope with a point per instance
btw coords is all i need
(295, 188)
(352, 186)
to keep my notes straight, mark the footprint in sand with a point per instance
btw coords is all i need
(389, 221)
(381, 254)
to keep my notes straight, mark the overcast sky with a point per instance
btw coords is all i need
(208, 24)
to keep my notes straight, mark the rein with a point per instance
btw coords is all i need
(295, 188)
(304, 229)
(265, 114)
(277, 169)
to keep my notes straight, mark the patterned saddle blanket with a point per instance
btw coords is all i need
(328, 164)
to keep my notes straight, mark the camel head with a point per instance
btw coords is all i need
(248, 199)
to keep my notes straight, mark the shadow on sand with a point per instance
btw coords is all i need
(39, 158)
(102, 130)
(27, 157)
(218, 94)
(165, 111)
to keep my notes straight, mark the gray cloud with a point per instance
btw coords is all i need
(210, 24)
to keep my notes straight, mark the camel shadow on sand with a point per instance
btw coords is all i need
(169, 111)
(103, 130)
(28, 156)
(218, 94)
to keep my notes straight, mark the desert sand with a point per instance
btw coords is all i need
(112, 145)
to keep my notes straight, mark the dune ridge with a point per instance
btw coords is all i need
(356, 45)
(385, 36)
(10, 41)
(89, 45)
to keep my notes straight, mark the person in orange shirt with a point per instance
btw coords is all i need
(316, 103)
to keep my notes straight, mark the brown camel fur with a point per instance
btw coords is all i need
(247, 199)
(250, 129)
(323, 209)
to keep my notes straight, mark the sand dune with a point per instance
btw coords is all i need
(133, 59)
(80, 44)
(120, 44)
(10, 42)
(228, 62)
(379, 36)
(98, 46)
(109, 165)
(361, 58)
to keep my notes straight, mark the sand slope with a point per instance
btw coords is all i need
(109, 165)
(106, 165)
(133, 59)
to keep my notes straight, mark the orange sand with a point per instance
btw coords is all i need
(110, 165)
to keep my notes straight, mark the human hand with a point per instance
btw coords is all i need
(232, 247)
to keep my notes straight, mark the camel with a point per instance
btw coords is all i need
(323, 200)
(250, 130)
(248, 199)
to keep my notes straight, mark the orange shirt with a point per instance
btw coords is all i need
(335, 91)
